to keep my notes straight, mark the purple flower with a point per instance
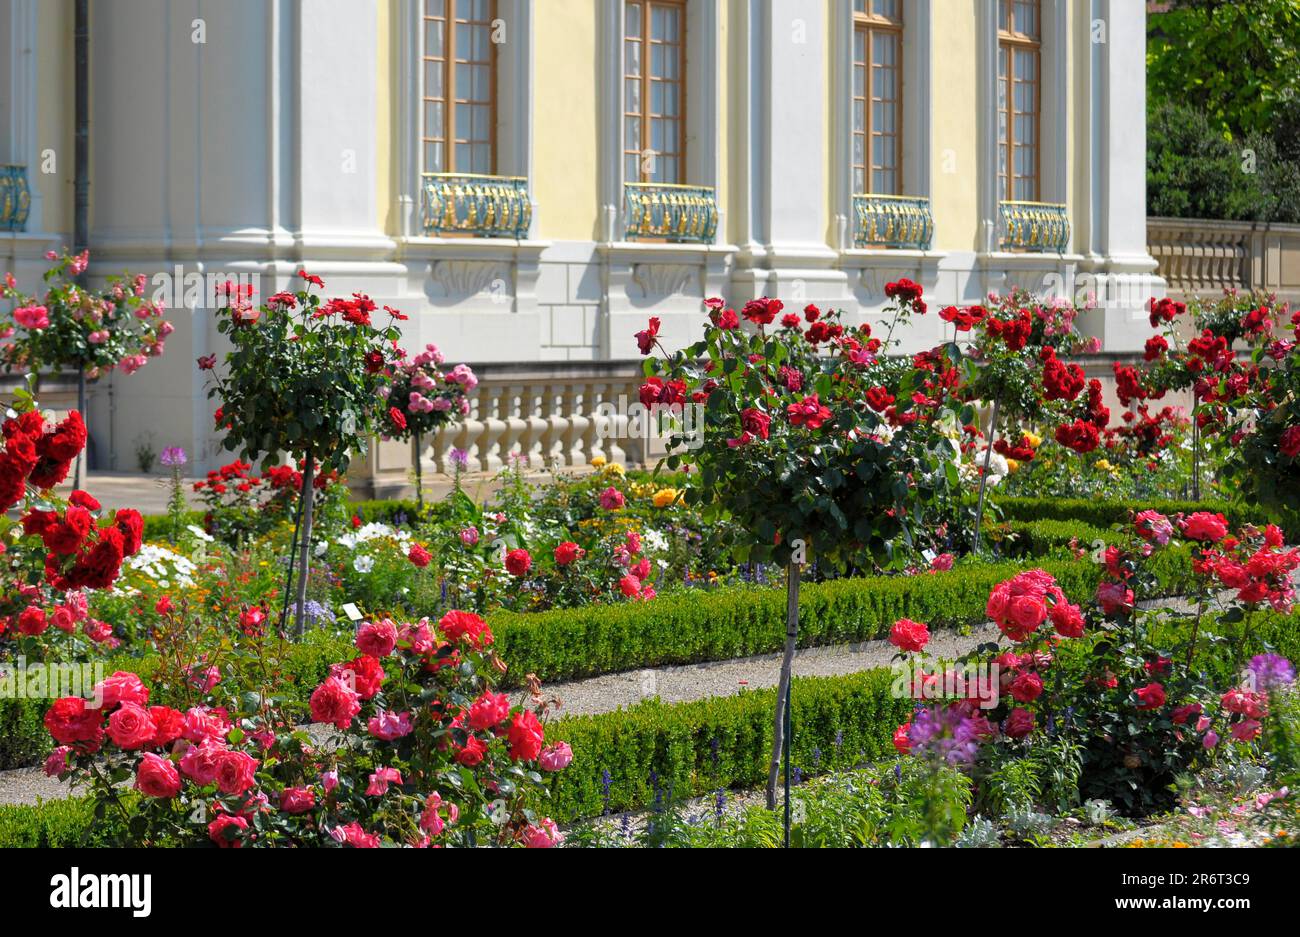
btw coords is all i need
(944, 733)
(459, 458)
(173, 456)
(1271, 671)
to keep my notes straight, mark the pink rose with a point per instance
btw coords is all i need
(121, 687)
(543, 835)
(611, 499)
(380, 780)
(389, 726)
(335, 702)
(1151, 696)
(488, 711)
(235, 772)
(377, 638)
(131, 726)
(157, 777)
(200, 761)
(526, 736)
(556, 757)
(297, 800)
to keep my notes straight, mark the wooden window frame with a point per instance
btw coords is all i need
(450, 99)
(1010, 41)
(645, 82)
(868, 23)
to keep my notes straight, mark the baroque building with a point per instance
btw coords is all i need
(529, 180)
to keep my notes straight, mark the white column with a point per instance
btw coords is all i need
(1126, 275)
(784, 250)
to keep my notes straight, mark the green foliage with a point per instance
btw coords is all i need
(1237, 60)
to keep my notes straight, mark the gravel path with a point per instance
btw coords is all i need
(679, 684)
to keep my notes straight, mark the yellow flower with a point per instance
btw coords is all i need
(613, 468)
(1104, 465)
(1013, 465)
(1034, 440)
(664, 497)
(598, 460)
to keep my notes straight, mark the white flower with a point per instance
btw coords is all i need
(363, 563)
(654, 541)
(372, 531)
(199, 533)
(321, 547)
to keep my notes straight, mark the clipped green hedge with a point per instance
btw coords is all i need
(54, 824)
(1104, 513)
(688, 749)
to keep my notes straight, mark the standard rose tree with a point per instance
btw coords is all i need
(423, 398)
(57, 550)
(304, 378)
(812, 439)
(72, 327)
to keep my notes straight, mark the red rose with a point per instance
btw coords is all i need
(472, 753)
(457, 624)
(645, 339)
(1027, 687)
(567, 552)
(1289, 443)
(131, 726)
(755, 422)
(157, 777)
(808, 412)
(526, 737)
(518, 562)
(418, 556)
(728, 319)
(762, 311)
(33, 621)
(1019, 723)
(226, 831)
(397, 418)
(902, 739)
(1202, 525)
(1151, 696)
(121, 687)
(168, 723)
(131, 525)
(70, 722)
(908, 635)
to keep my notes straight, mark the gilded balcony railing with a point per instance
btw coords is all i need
(670, 212)
(897, 221)
(15, 198)
(485, 206)
(1033, 226)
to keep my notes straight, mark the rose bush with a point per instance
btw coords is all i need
(420, 751)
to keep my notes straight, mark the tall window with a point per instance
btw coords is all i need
(654, 91)
(877, 96)
(459, 86)
(1019, 64)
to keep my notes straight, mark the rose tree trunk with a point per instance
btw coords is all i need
(779, 739)
(304, 555)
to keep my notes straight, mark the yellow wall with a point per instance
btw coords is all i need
(954, 123)
(55, 115)
(565, 183)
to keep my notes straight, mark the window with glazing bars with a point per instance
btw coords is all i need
(1019, 70)
(654, 91)
(459, 132)
(878, 96)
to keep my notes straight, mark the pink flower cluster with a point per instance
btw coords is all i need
(1021, 604)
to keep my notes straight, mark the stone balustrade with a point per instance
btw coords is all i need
(546, 416)
(1203, 258)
